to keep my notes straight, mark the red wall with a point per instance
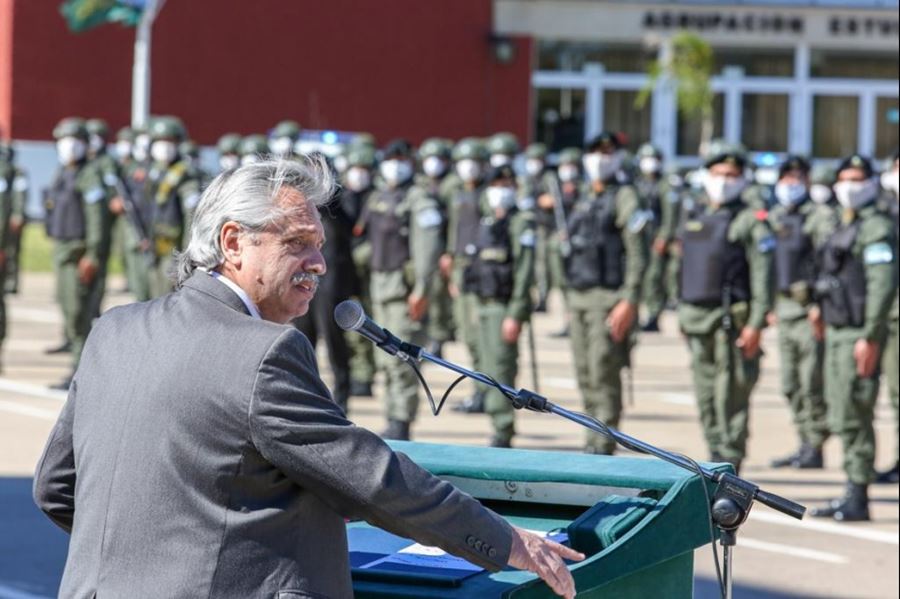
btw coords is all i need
(408, 68)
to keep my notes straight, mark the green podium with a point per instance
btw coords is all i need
(638, 520)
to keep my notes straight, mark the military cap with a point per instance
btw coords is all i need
(536, 150)
(398, 147)
(97, 127)
(794, 163)
(125, 134)
(822, 175)
(363, 139)
(435, 146)
(606, 140)
(856, 161)
(254, 144)
(361, 156)
(648, 150)
(723, 152)
(286, 129)
(230, 143)
(503, 143)
(570, 156)
(469, 148)
(167, 127)
(72, 126)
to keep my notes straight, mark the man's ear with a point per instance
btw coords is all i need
(231, 243)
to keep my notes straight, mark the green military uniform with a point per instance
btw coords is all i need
(16, 193)
(109, 169)
(77, 207)
(283, 139)
(253, 148)
(229, 148)
(605, 267)
(857, 287)
(725, 286)
(404, 232)
(891, 362)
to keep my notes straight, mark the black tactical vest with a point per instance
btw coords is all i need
(713, 270)
(794, 253)
(388, 230)
(65, 207)
(468, 222)
(490, 274)
(649, 192)
(841, 288)
(597, 257)
(169, 215)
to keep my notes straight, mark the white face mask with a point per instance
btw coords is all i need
(281, 146)
(229, 161)
(723, 190)
(534, 167)
(249, 159)
(856, 194)
(96, 143)
(468, 170)
(498, 160)
(501, 198)
(434, 166)
(358, 178)
(600, 167)
(70, 150)
(650, 165)
(141, 149)
(890, 180)
(820, 194)
(790, 194)
(123, 149)
(163, 151)
(395, 171)
(568, 172)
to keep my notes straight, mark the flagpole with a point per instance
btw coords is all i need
(140, 79)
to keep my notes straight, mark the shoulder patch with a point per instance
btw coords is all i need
(878, 253)
(92, 196)
(110, 179)
(429, 217)
(20, 183)
(527, 238)
(639, 220)
(766, 244)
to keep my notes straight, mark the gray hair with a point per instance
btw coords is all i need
(248, 196)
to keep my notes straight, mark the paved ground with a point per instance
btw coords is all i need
(776, 557)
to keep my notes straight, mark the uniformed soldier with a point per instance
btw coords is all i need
(405, 238)
(229, 148)
(800, 226)
(856, 287)
(604, 271)
(283, 138)
(663, 203)
(726, 269)
(14, 185)
(536, 188)
(821, 179)
(502, 149)
(190, 153)
(124, 146)
(253, 148)
(891, 360)
(175, 190)
(98, 132)
(463, 219)
(435, 157)
(76, 208)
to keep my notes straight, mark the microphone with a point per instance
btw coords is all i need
(350, 316)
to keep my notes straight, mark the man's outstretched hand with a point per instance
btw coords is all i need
(544, 558)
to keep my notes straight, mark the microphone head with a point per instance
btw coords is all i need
(349, 315)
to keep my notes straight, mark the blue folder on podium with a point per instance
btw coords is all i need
(638, 520)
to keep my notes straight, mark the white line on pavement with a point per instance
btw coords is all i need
(7, 592)
(681, 399)
(820, 556)
(14, 408)
(31, 389)
(559, 382)
(35, 315)
(847, 530)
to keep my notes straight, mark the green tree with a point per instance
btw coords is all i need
(688, 62)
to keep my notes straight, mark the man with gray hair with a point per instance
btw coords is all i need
(199, 454)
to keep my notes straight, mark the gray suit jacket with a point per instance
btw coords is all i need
(199, 454)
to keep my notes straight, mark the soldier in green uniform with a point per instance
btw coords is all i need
(283, 138)
(76, 208)
(229, 148)
(502, 149)
(821, 178)
(856, 287)
(14, 185)
(725, 269)
(500, 275)
(190, 153)
(891, 361)
(463, 218)
(434, 155)
(604, 272)
(175, 190)
(800, 226)
(663, 202)
(405, 233)
(98, 132)
(536, 187)
(253, 148)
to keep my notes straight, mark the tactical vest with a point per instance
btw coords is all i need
(468, 222)
(713, 269)
(649, 192)
(841, 288)
(65, 207)
(794, 254)
(387, 230)
(169, 213)
(490, 274)
(597, 257)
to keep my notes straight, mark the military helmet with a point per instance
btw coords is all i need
(720, 151)
(189, 148)
(397, 147)
(125, 134)
(361, 156)
(503, 143)
(363, 139)
(72, 126)
(230, 143)
(536, 150)
(794, 163)
(286, 129)
(435, 146)
(822, 175)
(469, 148)
(570, 156)
(97, 127)
(648, 150)
(254, 144)
(856, 161)
(167, 127)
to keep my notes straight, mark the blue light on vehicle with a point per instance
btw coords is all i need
(329, 137)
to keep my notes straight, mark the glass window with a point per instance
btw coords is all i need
(757, 61)
(572, 56)
(887, 115)
(854, 64)
(619, 114)
(764, 122)
(560, 117)
(688, 141)
(835, 125)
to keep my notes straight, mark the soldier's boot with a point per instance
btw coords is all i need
(64, 348)
(360, 389)
(852, 507)
(810, 458)
(652, 325)
(473, 404)
(501, 440)
(889, 477)
(396, 430)
(789, 461)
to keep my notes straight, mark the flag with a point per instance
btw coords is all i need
(82, 15)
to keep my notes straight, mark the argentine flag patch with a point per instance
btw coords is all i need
(878, 253)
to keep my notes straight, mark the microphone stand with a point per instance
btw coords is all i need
(733, 497)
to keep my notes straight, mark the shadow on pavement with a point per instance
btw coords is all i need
(706, 588)
(33, 548)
